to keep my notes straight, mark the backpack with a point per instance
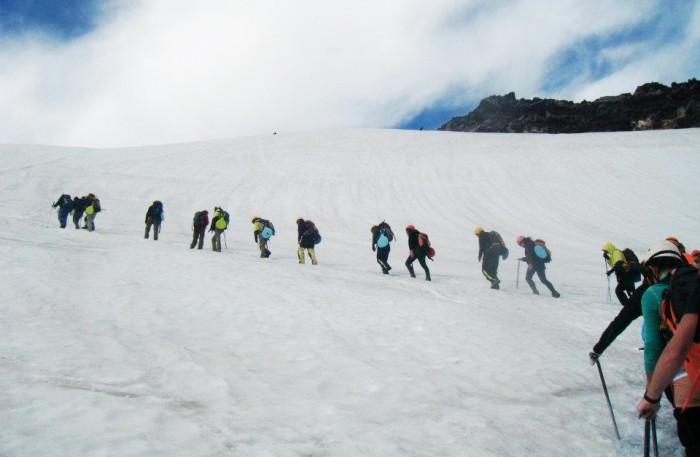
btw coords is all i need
(65, 202)
(268, 230)
(542, 251)
(499, 244)
(387, 230)
(157, 210)
(198, 219)
(635, 267)
(96, 204)
(684, 280)
(424, 242)
(222, 221)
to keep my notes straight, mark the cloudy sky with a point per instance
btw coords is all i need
(136, 72)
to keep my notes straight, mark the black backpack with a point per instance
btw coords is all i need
(634, 265)
(198, 219)
(65, 202)
(157, 210)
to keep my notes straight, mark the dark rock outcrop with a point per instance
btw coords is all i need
(652, 106)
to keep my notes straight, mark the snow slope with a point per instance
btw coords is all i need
(116, 345)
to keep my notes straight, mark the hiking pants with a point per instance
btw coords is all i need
(625, 288)
(383, 259)
(540, 274)
(688, 425)
(156, 228)
(421, 260)
(90, 222)
(312, 254)
(198, 237)
(63, 216)
(629, 312)
(489, 266)
(262, 244)
(76, 218)
(216, 240)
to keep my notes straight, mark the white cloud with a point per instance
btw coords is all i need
(174, 70)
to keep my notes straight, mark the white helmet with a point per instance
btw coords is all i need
(663, 249)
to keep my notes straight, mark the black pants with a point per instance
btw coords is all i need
(421, 260)
(689, 430)
(539, 269)
(629, 312)
(383, 259)
(198, 237)
(156, 228)
(489, 266)
(624, 289)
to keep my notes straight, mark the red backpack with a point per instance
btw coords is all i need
(423, 240)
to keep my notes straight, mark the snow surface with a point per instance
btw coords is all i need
(116, 345)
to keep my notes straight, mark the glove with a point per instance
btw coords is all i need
(478, 259)
(594, 356)
(374, 248)
(523, 259)
(609, 272)
(606, 256)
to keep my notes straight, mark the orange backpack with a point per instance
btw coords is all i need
(423, 240)
(684, 280)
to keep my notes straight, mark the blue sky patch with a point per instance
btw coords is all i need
(60, 19)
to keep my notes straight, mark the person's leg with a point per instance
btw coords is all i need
(409, 265)
(528, 279)
(624, 318)
(543, 279)
(300, 254)
(421, 260)
(382, 258)
(312, 254)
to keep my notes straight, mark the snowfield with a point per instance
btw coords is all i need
(113, 345)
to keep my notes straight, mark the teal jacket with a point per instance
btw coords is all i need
(654, 342)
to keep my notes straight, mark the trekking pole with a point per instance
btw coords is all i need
(654, 444)
(225, 243)
(517, 278)
(605, 389)
(605, 265)
(647, 426)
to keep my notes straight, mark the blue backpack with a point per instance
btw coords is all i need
(383, 240)
(267, 232)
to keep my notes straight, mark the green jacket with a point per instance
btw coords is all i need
(615, 256)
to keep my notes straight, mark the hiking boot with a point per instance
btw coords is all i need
(313, 262)
(495, 286)
(535, 292)
(427, 277)
(556, 294)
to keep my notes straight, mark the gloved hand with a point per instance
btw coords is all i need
(523, 259)
(606, 256)
(594, 356)
(609, 272)
(374, 248)
(411, 253)
(478, 258)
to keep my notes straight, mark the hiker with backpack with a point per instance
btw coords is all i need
(199, 227)
(263, 230)
(672, 341)
(79, 205)
(219, 223)
(154, 216)
(93, 207)
(382, 236)
(308, 237)
(491, 248)
(629, 312)
(65, 205)
(536, 255)
(419, 248)
(623, 273)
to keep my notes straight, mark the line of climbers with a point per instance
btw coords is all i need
(668, 298)
(88, 205)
